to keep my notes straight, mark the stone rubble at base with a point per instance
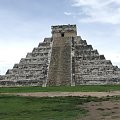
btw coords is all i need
(63, 59)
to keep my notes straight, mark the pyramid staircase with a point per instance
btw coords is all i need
(60, 64)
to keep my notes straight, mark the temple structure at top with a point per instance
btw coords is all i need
(64, 59)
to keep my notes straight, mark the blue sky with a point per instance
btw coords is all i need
(25, 23)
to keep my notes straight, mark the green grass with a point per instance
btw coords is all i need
(30, 108)
(82, 88)
(46, 108)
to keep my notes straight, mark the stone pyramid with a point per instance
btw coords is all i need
(63, 59)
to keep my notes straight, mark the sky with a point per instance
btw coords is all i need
(25, 23)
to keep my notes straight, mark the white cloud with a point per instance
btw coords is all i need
(68, 13)
(98, 10)
(115, 56)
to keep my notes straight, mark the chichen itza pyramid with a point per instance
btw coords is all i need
(63, 59)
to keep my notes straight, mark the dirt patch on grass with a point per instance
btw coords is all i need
(104, 110)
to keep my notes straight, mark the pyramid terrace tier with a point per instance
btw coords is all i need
(90, 57)
(27, 75)
(30, 55)
(34, 60)
(41, 50)
(94, 62)
(30, 65)
(26, 71)
(30, 82)
(86, 52)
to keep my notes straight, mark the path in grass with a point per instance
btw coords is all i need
(57, 94)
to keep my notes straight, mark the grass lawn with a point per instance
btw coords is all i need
(29, 108)
(82, 88)
(56, 108)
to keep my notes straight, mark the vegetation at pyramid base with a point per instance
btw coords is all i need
(82, 88)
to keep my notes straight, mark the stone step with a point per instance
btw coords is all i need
(21, 82)
(83, 47)
(86, 52)
(44, 44)
(47, 40)
(31, 55)
(90, 57)
(22, 77)
(40, 50)
(94, 62)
